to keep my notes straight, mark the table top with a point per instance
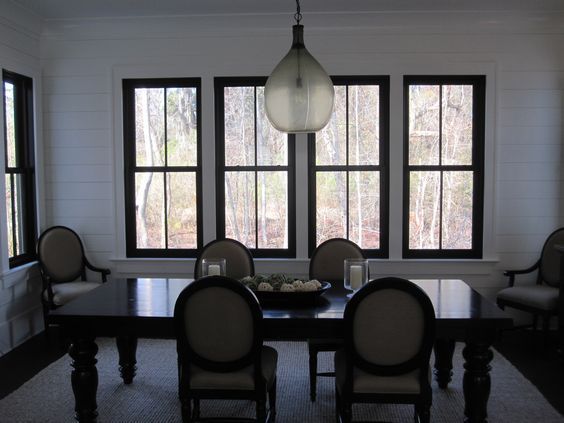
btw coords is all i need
(452, 299)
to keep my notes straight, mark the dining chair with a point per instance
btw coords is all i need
(63, 265)
(389, 333)
(540, 299)
(218, 323)
(327, 264)
(238, 258)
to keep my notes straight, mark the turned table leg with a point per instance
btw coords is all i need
(476, 382)
(127, 348)
(444, 350)
(84, 378)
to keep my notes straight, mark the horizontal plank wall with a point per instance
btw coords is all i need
(83, 62)
(20, 307)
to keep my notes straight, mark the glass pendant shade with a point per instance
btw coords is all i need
(299, 94)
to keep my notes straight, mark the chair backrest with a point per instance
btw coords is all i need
(327, 260)
(61, 254)
(218, 324)
(550, 259)
(390, 327)
(238, 258)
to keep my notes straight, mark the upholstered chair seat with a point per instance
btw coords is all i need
(542, 297)
(389, 329)
(218, 323)
(65, 292)
(241, 380)
(367, 383)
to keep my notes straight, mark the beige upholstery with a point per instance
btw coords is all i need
(243, 379)
(550, 260)
(61, 254)
(327, 263)
(219, 324)
(238, 261)
(378, 320)
(541, 297)
(367, 383)
(65, 292)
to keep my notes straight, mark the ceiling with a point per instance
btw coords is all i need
(80, 9)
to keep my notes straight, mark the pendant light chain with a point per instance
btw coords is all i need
(298, 15)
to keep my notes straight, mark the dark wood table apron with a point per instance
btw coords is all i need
(143, 308)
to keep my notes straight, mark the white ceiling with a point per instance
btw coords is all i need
(72, 9)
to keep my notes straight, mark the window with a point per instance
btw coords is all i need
(20, 171)
(348, 167)
(162, 152)
(443, 166)
(255, 171)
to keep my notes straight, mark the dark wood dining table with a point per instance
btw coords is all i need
(128, 309)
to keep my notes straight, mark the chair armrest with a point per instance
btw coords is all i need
(511, 273)
(47, 286)
(102, 271)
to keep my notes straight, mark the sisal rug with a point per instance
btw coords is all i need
(153, 395)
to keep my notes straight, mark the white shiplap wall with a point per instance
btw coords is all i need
(20, 308)
(83, 62)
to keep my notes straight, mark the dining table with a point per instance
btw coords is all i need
(133, 308)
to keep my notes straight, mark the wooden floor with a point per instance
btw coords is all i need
(525, 349)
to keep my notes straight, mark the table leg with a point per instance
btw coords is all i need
(444, 350)
(127, 348)
(476, 382)
(84, 378)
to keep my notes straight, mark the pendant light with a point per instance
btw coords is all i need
(298, 94)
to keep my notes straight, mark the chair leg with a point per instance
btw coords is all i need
(337, 406)
(196, 411)
(423, 412)
(545, 331)
(272, 400)
(312, 374)
(261, 410)
(186, 409)
(346, 411)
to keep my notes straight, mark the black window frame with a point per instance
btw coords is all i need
(477, 167)
(383, 81)
(252, 81)
(130, 168)
(25, 163)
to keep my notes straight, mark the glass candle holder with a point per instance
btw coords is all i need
(213, 266)
(356, 273)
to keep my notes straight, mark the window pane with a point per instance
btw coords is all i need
(272, 209)
(182, 210)
(331, 205)
(457, 210)
(364, 209)
(424, 208)
(272, 145)
(10, 113)
(364, 124)
(331, 141)
(18, 218)
(11, 246)
(240, 219)
(149, 126)
(181, 126)
(149, 206)
(239, 126)
(424, 124)
(457, 125)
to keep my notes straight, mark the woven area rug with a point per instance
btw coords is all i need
(153, 395)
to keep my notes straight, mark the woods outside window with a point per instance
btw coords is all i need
(443, 166)
(162, 149)
(19, 167)
(348, 167)
(255, 171)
